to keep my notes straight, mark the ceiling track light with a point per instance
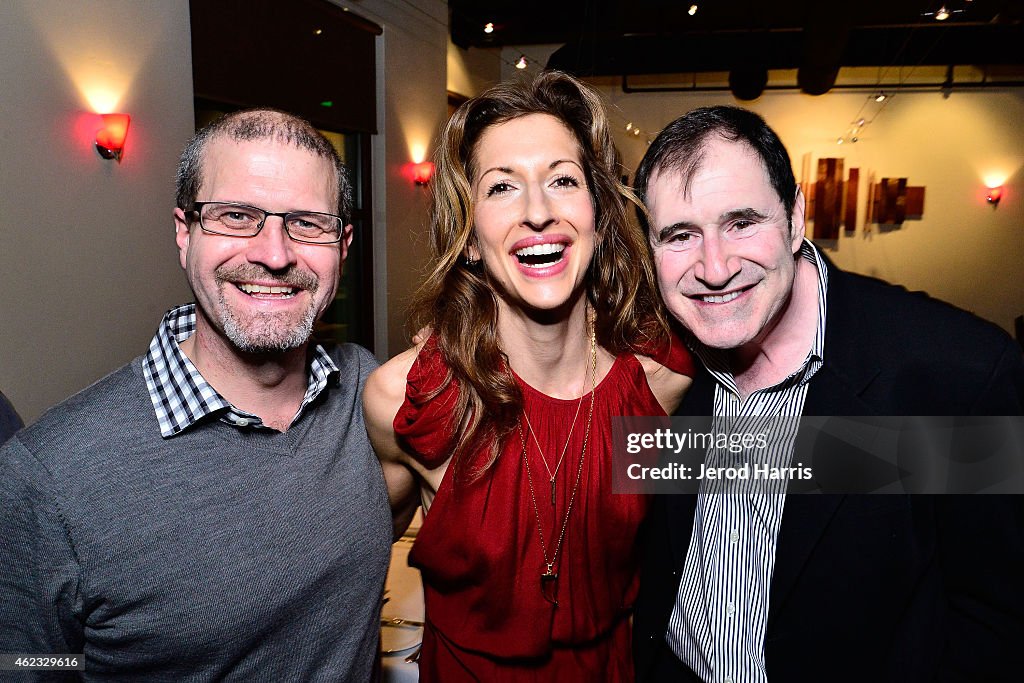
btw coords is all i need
(489, 27)
(521, 63)
(942, 13)
(692, 10)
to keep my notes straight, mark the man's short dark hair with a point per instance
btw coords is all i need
(681, 144)
(261, 123)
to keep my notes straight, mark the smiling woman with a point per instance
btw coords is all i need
(536, 315)
(534, 214)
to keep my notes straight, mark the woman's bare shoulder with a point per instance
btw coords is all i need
(388, 381)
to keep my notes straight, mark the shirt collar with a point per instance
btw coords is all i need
(182, 397)
(717, 360)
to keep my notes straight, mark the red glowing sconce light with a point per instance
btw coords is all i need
(422, 172)
(110, 137)
(994, 195)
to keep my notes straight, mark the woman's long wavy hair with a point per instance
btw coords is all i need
(459, 303)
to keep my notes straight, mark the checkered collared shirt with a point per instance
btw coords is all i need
(181, 396)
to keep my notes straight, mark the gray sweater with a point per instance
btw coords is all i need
(219, 554)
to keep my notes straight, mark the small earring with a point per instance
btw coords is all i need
(470, 261)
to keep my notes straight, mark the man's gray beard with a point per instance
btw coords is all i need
(265, 334)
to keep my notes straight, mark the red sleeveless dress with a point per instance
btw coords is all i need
(479, 550)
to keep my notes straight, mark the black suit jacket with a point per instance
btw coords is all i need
(876, 587)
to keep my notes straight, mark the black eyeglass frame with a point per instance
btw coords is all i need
(197, 209)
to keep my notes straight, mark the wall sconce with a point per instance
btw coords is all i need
(110, 138)
(422, 172)
(994, 195)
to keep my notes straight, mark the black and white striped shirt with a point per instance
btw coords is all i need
(718, 623)
(181, 396)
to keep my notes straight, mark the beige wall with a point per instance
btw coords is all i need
(472, 71)
(411, 100)
(962, 251)
(87, 250)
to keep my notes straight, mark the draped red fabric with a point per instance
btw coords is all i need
(479, 548)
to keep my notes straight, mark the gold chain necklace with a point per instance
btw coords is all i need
(572, 427)
(549, 578)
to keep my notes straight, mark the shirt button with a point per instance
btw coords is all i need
(241, 422)
(730, 609)
(727, 679)
(734, 535)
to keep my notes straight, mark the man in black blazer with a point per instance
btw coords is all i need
(815, 587)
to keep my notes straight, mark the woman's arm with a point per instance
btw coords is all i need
(382, 398)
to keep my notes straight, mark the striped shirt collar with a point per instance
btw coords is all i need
(182, 397)
(717, 360)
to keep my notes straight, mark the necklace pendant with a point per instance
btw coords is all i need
(552, 491)
(549, 584)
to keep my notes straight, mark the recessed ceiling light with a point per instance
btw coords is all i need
(488, 27)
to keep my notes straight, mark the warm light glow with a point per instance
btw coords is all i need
(422, 172)
(880, 97)
(100, 57)
(942, 14)
(521, 62)
(994, 179)
(488, 27)
(102, 99)
(417, 152)
(318, 32)
(111, 135)
(692, 10)
(629, 126)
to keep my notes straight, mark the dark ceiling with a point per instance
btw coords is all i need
(606, 37)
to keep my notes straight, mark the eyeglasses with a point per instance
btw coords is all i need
(242, 220)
